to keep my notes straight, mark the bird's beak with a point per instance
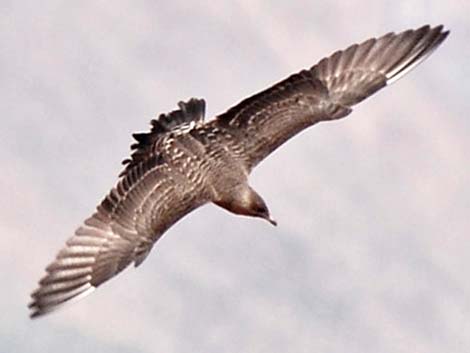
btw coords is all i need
(272, 221)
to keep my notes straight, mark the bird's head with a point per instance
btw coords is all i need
(259, 209)
(243, 200)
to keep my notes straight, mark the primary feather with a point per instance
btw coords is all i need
(184, 162)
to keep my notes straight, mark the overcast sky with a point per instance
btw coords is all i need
(372, 249)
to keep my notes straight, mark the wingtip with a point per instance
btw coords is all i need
(36, 313)
(440, 27)
(430, 38)
(39, 308)
(445, 33)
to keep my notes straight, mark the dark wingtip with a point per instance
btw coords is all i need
(35, 314)
(35, 310)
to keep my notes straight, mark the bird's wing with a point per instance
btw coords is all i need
(327, 91)
(147, 200)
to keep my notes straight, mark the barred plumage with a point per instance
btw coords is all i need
(184, 162)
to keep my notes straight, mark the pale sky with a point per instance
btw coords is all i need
(371, 253)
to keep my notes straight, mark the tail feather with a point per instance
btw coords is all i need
(190, 111)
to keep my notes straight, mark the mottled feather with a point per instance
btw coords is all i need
(327, 91)
(146, 201)
(184, 162)
(189, 112)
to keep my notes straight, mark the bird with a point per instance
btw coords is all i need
(185, 162)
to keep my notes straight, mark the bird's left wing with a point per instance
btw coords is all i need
(327, 91)
(148, 199)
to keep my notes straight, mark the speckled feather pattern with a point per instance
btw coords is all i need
(184, 162)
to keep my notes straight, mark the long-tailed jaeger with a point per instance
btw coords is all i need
(185, 162)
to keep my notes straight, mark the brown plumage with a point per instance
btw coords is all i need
(184, 162)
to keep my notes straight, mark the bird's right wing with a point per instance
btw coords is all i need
(259, 124)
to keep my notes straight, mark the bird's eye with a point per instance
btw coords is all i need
(260, 209)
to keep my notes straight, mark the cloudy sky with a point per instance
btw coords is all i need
(371, 253)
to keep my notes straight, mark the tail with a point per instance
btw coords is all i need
(190, 111)
(353, 74)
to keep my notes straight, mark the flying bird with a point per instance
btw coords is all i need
(185, 162)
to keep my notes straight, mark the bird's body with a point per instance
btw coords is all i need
(185, 162)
